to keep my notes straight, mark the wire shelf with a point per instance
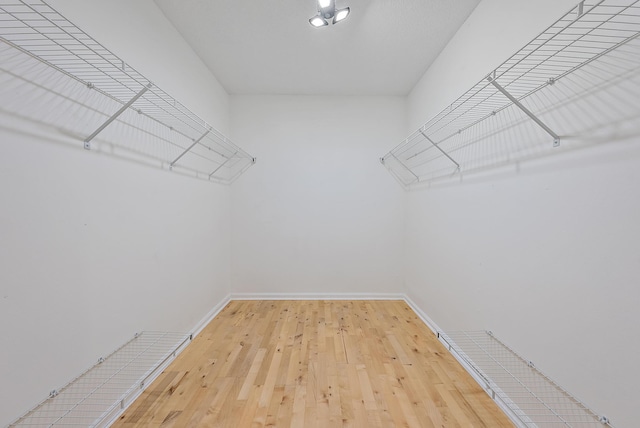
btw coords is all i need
(579, 79)
(98, 395)
(53, 72)
(531, 398)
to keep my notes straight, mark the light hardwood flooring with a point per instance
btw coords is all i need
(315, 364)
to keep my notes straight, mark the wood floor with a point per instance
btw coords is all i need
(315, 364)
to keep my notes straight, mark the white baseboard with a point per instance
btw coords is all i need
(210, 315)
(317, 296)
(422, 315)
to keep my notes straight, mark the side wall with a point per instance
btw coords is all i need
(546, 257)
(95, 248)
(318, 213)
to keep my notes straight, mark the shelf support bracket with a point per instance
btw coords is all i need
(189, 148)
(441, 151)
(87, 141)
(556, 137)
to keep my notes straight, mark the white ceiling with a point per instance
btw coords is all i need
(269, 47)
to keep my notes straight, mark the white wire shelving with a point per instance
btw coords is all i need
(52, 72)
(97, 396)
(529, 397)
(577, 83)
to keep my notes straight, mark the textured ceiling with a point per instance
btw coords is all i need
(268, 46)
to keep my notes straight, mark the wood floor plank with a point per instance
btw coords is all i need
(314, 364)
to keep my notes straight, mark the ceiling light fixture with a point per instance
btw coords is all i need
(326, 11)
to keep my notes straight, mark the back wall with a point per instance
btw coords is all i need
(318, 213)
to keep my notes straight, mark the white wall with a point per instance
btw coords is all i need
(94, 248)
(546, 257)
(317, 213)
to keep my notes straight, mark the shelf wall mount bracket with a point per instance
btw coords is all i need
(87, 141)
(556, 138)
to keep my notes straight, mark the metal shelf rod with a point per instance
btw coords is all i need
(189, 148)
(438, 147)
(556, 138)
(114, 116)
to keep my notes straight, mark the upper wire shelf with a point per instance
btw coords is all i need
(53, 72)
(579, 79)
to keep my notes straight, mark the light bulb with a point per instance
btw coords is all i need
(318, 21)
(341, 14)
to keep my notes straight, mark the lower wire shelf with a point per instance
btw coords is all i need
(97, 396)
(528, 397)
